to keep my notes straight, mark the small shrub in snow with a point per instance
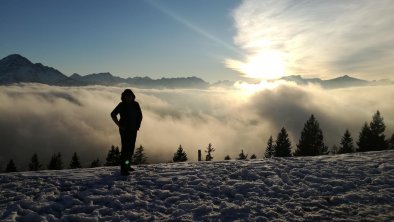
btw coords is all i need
(11, 167)
(269, 151)
(180, 155)
(56, 162)
(35, 165)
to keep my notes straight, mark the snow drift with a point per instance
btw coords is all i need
(348, 187)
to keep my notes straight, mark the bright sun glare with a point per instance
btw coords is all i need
(265, 65)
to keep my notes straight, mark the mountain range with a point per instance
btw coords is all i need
(340, 82)
(18, 69)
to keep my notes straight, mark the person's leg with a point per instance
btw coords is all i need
(133, 138)
(129, 151)
(125, 150)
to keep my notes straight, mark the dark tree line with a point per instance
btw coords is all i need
(311, 142)
(55, 163)
(282, 146)
(371, 138)
(113, 156)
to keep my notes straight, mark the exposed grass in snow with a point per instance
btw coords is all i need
(354, 187)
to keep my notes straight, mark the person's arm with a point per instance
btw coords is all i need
(139, 117)
(114, 114)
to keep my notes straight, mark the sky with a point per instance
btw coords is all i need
(213, 40)
(127, 38)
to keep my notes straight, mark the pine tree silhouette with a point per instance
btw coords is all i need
(346, 143)
(378, 127)
(139, 156)
(113, 157)
(95, 163)
(180, 155)
(253, 156)
(209, 152)
(364, 142)
(282, 144)
(334, 149)
(75, 163)
(11, 167)
(269, 151)
(34, 165)
(242, 156)
(391, 142)
(311, 141)
(56, 162)
(227, 157)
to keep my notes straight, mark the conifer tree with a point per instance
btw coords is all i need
(95, 163)
(139, 156)
(209, 152)
(242, 156)
(56, 162)
(11, 167)
(377, 127)
(283, 144)
(334, 150)
(390, 142)
(269, 151)
(253, 156)
(180, 155)
(75, 163)
(346, 143)
(113, 157)
(227, 157)
(364, 142)
(311, 141)
(34, 165)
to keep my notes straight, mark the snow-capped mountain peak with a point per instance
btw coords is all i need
(16, 68)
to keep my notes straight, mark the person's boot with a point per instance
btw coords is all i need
(123, 170)
(125, 173)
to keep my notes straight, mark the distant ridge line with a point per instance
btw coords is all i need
(17, 69)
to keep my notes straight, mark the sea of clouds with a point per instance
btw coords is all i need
(43, 119)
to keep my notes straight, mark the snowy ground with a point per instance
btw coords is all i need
(357, 187)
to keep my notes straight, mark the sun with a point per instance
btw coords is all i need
(264, 65)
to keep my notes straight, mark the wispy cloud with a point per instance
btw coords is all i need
(316, 38)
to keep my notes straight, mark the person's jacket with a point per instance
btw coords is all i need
(130, 115)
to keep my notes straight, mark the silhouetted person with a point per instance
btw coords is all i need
(129, 123)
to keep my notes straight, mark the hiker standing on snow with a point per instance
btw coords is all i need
(129, 123)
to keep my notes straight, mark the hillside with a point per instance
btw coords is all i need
(353, 187)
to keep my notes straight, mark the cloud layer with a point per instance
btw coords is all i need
(48, 119)
(316, 38)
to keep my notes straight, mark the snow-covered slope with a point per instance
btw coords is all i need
(356, 187)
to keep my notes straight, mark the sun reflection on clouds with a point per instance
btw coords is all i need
(249, 89)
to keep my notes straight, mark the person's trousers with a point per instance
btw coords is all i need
(127, 137)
